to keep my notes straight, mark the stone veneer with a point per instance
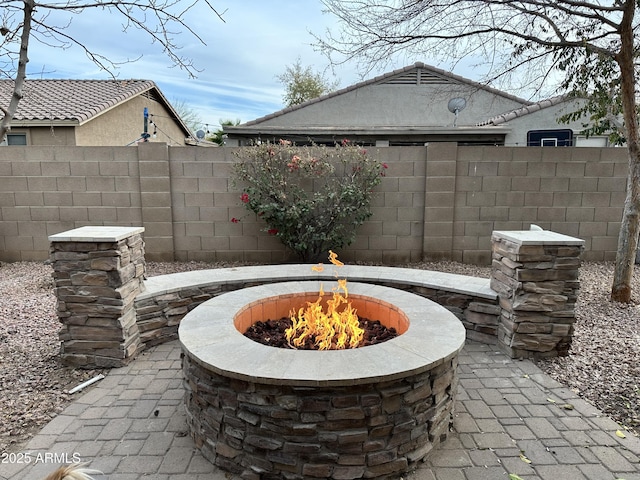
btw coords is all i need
(527, 265)
(170, 297)
(536, 276)
(98, 273)
(370, 412)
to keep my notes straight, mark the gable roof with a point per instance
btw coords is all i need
(78, 101)
(526, 110)
(416, 74)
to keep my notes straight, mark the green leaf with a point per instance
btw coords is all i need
(315, 196)
(524, 458)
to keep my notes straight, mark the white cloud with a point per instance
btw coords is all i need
(239, 62)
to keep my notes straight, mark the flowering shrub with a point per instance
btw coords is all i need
(311, 198)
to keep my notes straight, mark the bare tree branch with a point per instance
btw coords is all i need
(161, 20)
(373, 30)
(592, 46)
(21, 75)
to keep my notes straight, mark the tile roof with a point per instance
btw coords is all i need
(526, 110)
(72, 100)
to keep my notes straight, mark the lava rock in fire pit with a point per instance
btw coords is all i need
(272, 333)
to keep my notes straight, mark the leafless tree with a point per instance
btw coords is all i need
(590, 45)
(25, 21)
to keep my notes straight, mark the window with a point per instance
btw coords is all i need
(550, 138)
(16, 138)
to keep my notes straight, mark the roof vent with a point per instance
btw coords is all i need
(417, 76)
(150, 95)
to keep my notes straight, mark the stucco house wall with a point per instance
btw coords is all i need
(410, 106)
(48, 135)
(91, 113)
(546, 116)
(123, 125)
(397, 105)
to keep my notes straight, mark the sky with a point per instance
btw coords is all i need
(239, 63)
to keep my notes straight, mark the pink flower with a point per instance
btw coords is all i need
(244, 197)
(294, 163)
(345, 142)
(235, 220)
(384, 165)
(272, 231)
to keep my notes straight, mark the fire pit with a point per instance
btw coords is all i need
(268, 412)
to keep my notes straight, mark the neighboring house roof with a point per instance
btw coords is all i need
(526, 110)
(413, 105)
(407, 106)
(78, 101)
(417, 74)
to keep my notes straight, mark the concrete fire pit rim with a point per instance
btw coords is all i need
(209, 336)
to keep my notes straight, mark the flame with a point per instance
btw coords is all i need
(336, 328)
(333, 258)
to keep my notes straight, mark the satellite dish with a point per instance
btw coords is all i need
(200, 134)
(455, 106)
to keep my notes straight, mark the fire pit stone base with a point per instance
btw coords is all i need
(266, 413)
(366, 431)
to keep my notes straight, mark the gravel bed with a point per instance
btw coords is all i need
(603, 367)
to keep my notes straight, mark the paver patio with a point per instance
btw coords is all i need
(132, 426)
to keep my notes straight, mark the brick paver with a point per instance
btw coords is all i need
(132, 426)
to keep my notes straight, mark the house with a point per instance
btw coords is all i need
(536, 125)
(413, 106)
(92, 113)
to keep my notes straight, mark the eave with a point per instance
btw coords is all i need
(45, 122)
(369, 131)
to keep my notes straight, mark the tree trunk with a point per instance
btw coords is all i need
(628, 236)
(21, 73)
(629, 228)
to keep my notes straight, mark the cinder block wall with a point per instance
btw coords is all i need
(48, 190)
(435, 202)
(576, 191)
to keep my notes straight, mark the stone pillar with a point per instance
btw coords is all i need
(98, 272)
(535, 274)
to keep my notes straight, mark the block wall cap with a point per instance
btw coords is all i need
(175, 282)
(96, 234)
(537, 237)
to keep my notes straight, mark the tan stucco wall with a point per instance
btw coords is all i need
(123, 125)
(47, 135)
(119, 126)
